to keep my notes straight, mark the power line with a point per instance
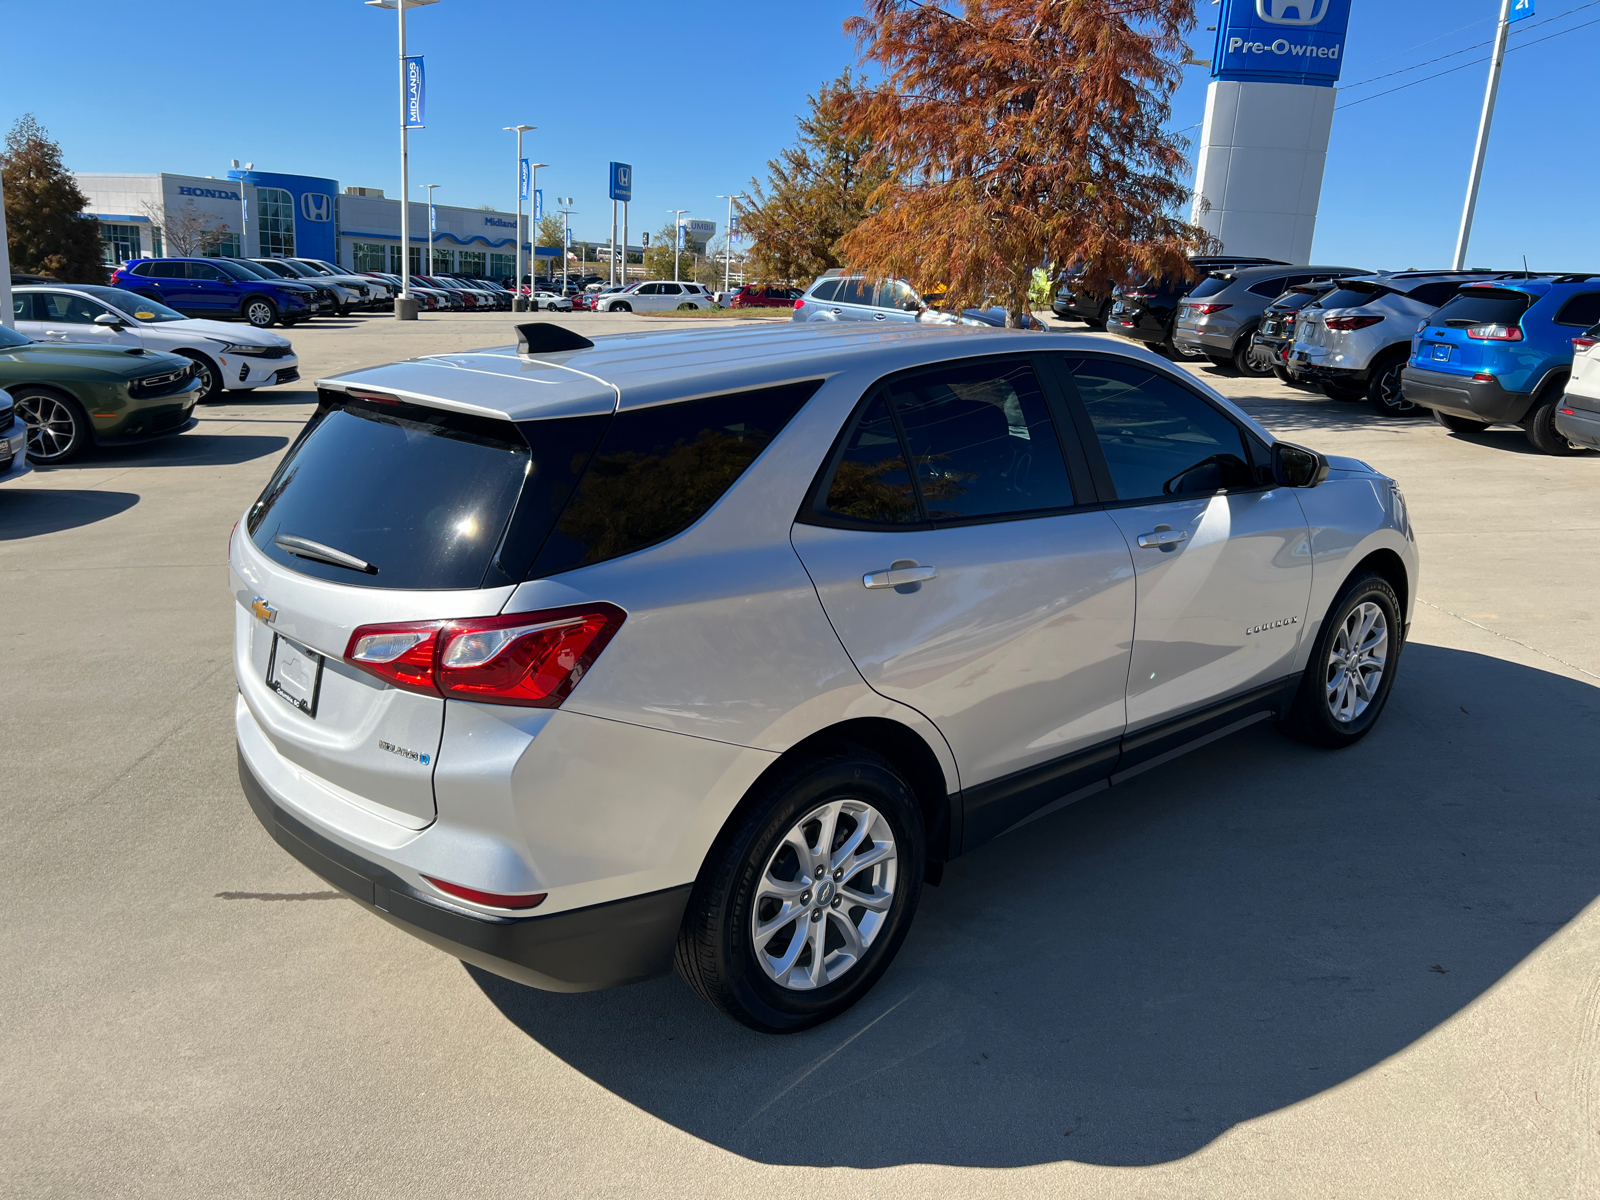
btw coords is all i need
(1430, 41)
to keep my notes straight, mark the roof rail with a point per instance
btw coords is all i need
(1575, 278)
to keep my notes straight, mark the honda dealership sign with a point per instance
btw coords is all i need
(1281, 41)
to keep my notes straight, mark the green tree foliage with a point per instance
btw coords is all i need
(552, 230)
(45, 226)
(817, 191)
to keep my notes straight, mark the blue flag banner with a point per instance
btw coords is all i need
(1522, 8)
(527, 171)
(416, 93)
(433, 218)
(538, 204)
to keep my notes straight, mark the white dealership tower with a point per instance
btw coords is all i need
(1269, 111)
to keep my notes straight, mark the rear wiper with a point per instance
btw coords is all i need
(1461, 323)
(317, 552)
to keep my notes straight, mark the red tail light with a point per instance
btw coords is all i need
(1344, 324)
(531, 659)
(1582, 343)
(1495, 333)
(1205, 310)
(490, 899)
(800, 303)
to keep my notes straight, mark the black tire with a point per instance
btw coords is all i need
(1311, 718)
(1218, 361)
(1247, 363)
(621, 306)
(1459, 424)
(209, 375)
(1540, 424)
(717, 952)
(687, 305)
(1342, 393)
(1102, 317)
(58, 428)
(1383, 390)
(1284, 377)
(260, 312)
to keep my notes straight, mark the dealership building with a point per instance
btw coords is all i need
(260, 214)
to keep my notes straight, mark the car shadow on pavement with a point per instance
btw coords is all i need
(29, 512)
(185, 450)
(1129, 978)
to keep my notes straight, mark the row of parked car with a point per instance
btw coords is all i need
(1474, 348)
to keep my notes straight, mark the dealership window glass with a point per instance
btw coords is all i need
(118, 242)
(659, 469)
(470, 262)
(1159, 438)
(1483, 306)
(222, 245)
(368, 256)
(416, 260)
(981, 441)
(1582, 310)
(275, 221)
(502, 266)
(443, 260)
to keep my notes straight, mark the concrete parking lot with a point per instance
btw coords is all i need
(1260, 971)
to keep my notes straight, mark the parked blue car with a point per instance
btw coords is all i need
(217, 287)
(1501, 352)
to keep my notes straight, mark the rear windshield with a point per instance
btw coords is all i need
(1351, 297)
(420, 494)
(1209, 286)
(1482, 306)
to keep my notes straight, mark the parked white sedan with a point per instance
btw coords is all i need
(551, 302)
(235, 357)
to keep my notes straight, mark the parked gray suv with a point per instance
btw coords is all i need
(836, 296)
(1220, 316)
(576, 658)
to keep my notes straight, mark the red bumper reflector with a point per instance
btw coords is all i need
(489, 899)
(1483, 377)
(1566, 412)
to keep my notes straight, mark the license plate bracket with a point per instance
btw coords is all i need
(1441, 352)
(295, 673)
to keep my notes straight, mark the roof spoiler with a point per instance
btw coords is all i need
(546, 337)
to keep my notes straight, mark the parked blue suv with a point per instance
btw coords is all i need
(1501, 352)
(217, 287)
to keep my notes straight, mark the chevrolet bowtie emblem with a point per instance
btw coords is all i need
(263, 610)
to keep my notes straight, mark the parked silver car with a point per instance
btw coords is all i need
(714, 646)
(1219, 318)
(836, 296)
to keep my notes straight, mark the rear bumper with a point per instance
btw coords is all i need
(1463, 396)
(1213, 342)
(578, 950)
(1136, 330)
(1581, 425)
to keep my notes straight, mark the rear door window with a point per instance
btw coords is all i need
(824, 291)
(871, 482)
(1483, 306)
(1582, 310)
(1270, 288)
(1159, 439)
(854, 291)
(658, 470)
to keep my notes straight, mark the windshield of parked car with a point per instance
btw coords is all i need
(255, 270)
(233, 270)
(129, 305)
(10, 338)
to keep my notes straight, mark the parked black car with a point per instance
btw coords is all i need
(1276, 332)
(1146, 311)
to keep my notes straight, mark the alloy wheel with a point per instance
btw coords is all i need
(259, 314)
(1356, 662)
(53, 431)
(1389, 393)
(824, 896)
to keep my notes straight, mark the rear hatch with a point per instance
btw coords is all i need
(1311, 327)
(1472, 331)
(383, 512)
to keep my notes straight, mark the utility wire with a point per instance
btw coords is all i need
(1472, 63)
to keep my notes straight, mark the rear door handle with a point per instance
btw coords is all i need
(902, 574)
(1163, 539)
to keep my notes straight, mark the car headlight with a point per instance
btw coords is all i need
(235, 348)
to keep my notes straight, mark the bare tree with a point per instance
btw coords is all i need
(187, 232)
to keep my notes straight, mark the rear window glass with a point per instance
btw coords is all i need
(1483, 306)
(1208, 287)
(825, 289)
(420, 494)
(1582, 309)
(1350, 297)
(658, 470)
(1435, 293)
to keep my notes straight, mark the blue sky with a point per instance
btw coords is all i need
(698, 96)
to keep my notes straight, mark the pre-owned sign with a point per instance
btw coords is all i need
(1281, 41)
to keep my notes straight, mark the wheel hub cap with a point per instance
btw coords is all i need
(1356, 662)
(825, 895)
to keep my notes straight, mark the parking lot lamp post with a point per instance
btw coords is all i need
(405, 308)
(519, 302)
(533, 225)
(7, 317)
(677, 238)
(244, 213)
(566, 211)
(430, 187)
(1482, 145)
(727, 248)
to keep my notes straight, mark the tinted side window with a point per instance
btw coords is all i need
(872, 482)
(981, 441)
(205, 271)
(658, 470)
(895, 294)
(1435, 293)
(23, 306)
(1270, 288)
(1159, 439)
(63, 306)
(169, 270)
(824, 291)
(1582, 309)
(1352, 297)
(853, 291)
(1209, 286)
(669, 289)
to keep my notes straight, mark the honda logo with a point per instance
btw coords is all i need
(1306, 12)
(316, 206)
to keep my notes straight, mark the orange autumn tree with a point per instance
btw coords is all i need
(1023, 133)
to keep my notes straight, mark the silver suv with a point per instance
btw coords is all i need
(1219, 318)
(836, 296)
(577, 658)
(1355, 341)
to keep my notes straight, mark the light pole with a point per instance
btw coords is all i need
(244, 212)
(533, 219)
(519, 302)
(1484, 121)
(405, 308)
(566, 211)
(430, 187)
(677, 238)
(727, 246)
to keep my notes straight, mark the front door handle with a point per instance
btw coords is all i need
(906, 573)
(1163, 539)
(880, 316)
